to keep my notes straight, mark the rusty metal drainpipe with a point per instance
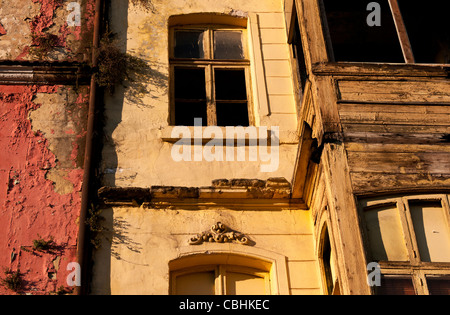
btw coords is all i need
(82, 231)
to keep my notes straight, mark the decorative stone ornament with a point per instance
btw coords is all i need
(219, 233)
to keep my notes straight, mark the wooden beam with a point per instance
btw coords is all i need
(344, 221)
(364, 69)
(301, 165)
(401, 31)
(43, 74)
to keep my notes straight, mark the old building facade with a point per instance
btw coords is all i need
(335, 182)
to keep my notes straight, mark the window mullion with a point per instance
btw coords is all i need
(420, 282)
(204, 58)
(210, 106)
(210, 97)
(211, 43)
(409, 229)
(220, 280)
(446, 208)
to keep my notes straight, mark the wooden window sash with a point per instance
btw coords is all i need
(397, 203)
(442, 199)
(208, 42)
(419, 276)
(401, 32)
(210, 89)
(407, 225)
(418, 270)
(209, 64)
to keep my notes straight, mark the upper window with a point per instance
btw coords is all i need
(299, 63)
(388, 31)
(210, 76)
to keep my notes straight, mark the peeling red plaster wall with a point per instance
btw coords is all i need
(75, 40)
(29, 205)
(2, 30)
(42, 141)
(45, 18)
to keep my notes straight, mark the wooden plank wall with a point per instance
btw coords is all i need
(396, 132)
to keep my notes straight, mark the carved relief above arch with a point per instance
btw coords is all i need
(220, 233)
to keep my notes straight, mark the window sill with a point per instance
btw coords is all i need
(197, 135)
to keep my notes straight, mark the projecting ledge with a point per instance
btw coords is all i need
(234, 193)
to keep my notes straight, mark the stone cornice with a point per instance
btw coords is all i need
(235, 193)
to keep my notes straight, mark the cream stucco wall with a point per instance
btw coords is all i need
(139, 242)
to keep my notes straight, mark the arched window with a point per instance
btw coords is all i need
(328, 264)
(227, 273)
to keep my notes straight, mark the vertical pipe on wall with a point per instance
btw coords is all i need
(82, 232)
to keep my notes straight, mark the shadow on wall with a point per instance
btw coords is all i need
(139, 82)
(120, 238)
(111, 240)
(141, 75)
(136, 82)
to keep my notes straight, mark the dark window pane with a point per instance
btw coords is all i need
(228, 45)
(232, 114)
(438, 286)
(354, 40)
(396, 286)
(428, 27)
(230, 84)
(297, 46)
(190, 96)
(190, 83)
(189, 44)
(327, 263)
(185, 112)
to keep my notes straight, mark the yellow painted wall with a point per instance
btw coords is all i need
(138, 243)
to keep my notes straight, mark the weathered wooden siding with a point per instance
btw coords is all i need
(396, 133)
(420, 92)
